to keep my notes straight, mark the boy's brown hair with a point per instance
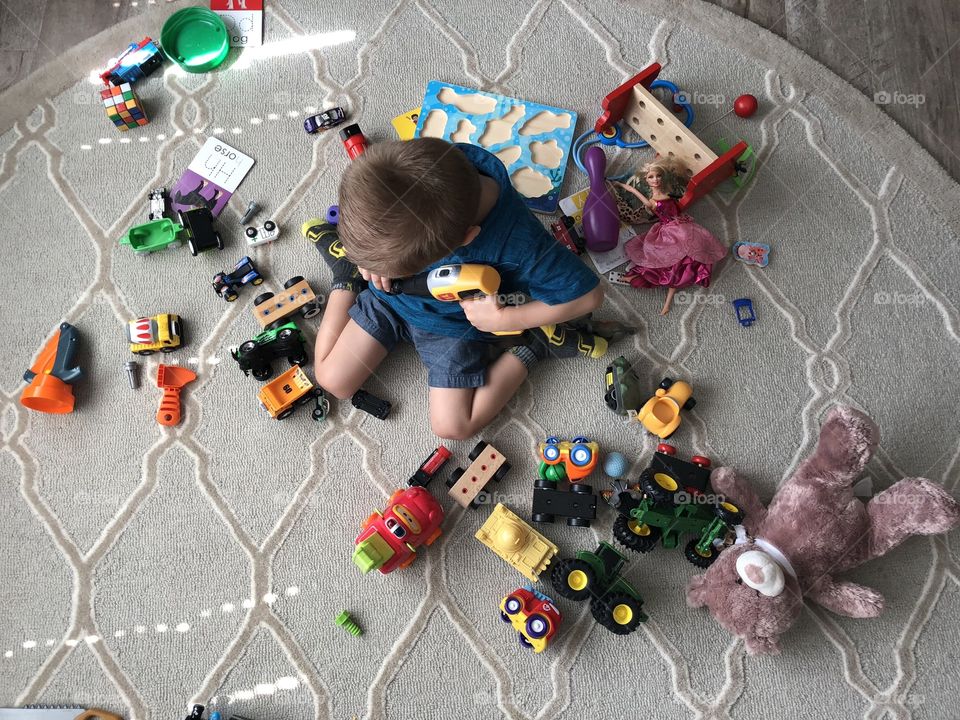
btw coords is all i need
(405, 205)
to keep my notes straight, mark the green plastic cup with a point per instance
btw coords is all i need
(195, 39)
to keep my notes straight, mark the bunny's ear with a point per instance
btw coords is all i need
(697, 591)
(725, 482)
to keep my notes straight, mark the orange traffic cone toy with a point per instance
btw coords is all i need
(53, 373)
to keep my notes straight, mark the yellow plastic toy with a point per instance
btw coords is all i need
(162, 332)
(517, 543)
(661, 413)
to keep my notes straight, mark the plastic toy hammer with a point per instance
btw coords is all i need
(171, 379)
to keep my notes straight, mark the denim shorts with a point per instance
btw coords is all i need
(451, 362)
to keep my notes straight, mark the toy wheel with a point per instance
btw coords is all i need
(454, 476)
(550, 452)
(728, 512)
(250, 232)
(145, 352)
(634, 535)
(581, 454)
(262, 373)
(573, 579)
(544, 483)
(666, 449)
(542, 518)
(524, 642)
(658, 486)
(700, 460)
(512, 606)
(578, 522)
(501, 473)
(262, 298)
(478, 448)
(194, 250)
(292, 281)
(285, 414)
(300, 359)
(581, 488)
(258, 280)
(311, 309)
(322, 409)
(689, 404)
(285, 334)
(537, 626)
(246, 348)
(219, 241)
(695, 557)
(610, 398)
(231, 296)
(617, 612)
(666, 383)
(168, 349)
(580, 439)
(269, 226)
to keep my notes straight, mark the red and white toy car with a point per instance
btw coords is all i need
(533, 615)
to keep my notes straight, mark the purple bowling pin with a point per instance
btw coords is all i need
(601, 222)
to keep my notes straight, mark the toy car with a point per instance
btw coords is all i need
(362, 400)
(158, 204)
(161, 332)
(281, 396)
(297, 297)
(389, 540)
(623, 388)
(243, 273)
(669, 500)
(255, 356)
(660, 415)
(743, 307)
(467, 486)
(572, 461)
(614, 603)
(533, 615)
(198, 230)
(325, 120)
(513, 541)
(430, 467)
(565, 232)
(137, 61)
(268, 232)
(153, 236)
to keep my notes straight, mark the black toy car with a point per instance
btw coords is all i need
(244, 272)
(325, 120)
(362, 400)
(198, 230)
(255, 356)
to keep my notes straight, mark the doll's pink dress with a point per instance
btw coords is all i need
(675, 252)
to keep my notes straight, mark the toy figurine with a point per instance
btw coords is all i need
(676, 252)
(813, 531)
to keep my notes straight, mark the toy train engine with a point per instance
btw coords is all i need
(389, 540)
(430, 467)
(673, 498)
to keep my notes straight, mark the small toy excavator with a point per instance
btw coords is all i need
(53, 373)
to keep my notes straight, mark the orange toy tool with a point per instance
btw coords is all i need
(171, 379)
(53, 373)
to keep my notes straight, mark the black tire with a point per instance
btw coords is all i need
(656, 492)
(248, 347)
(231, 296)
(635, 536)
(269, 226)
(501, 472)
(146, 353)
(578, 522)
(581, 488)
(666, 383)
(292, 281)
(257, 280)
(219, 241)
(701, 561)
(728, 512)
(285, 414)
(311, 309)
(169, 349)
(479, 448)
(544, 483)
(262, 298)
(261, 373)
(542, 518)
(573, 579)
(690, 404)
(193, 248)
(285, 334)
(610, 398)
(250, 232)
(300, 359)
(454, 476)
(617, 612)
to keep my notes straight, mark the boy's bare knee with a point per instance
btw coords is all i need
(451, 428)
(334, 382)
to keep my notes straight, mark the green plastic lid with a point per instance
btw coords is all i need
(195, 39)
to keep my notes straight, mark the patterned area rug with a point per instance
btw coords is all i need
(145, 568)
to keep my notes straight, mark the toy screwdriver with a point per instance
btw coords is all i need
(452, 283)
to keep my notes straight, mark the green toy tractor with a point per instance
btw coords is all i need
(614, 602)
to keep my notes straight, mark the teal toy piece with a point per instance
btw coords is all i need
(515, 130)
(152, 236)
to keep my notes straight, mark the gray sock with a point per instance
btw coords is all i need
(527, 356)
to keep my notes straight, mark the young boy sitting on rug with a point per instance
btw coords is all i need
(408, 207)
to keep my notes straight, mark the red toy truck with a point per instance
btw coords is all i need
(389, 540)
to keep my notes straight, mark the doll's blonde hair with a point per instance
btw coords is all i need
(671, 171)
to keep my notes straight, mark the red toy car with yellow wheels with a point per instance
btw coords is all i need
(389, 540)
(571, 460)
(533, 615)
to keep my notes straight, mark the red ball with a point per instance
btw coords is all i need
(745, 106)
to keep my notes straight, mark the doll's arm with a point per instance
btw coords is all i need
(846, 598)
(724, 481)
(647, 202)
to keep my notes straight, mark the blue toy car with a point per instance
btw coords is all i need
(137, 61)
(243, 273)
(743, 307)
(325, 120)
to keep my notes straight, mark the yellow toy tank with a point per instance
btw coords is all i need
(516, 542)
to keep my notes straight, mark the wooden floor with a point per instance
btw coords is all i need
(904, 51)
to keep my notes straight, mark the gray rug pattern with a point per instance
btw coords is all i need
(146, 568)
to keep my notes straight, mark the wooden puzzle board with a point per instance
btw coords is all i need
(532, 140)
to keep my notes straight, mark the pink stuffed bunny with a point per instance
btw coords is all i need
(813, 530)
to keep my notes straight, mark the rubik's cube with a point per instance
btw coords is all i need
(123, 107)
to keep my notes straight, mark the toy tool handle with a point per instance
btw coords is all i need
(64, 366)
(601, 221)
(169, 412)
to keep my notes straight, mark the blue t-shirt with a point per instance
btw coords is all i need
(530, 261)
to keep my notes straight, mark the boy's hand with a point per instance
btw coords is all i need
(487, 315)
(380, 282)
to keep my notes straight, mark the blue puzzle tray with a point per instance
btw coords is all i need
(531, 139)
